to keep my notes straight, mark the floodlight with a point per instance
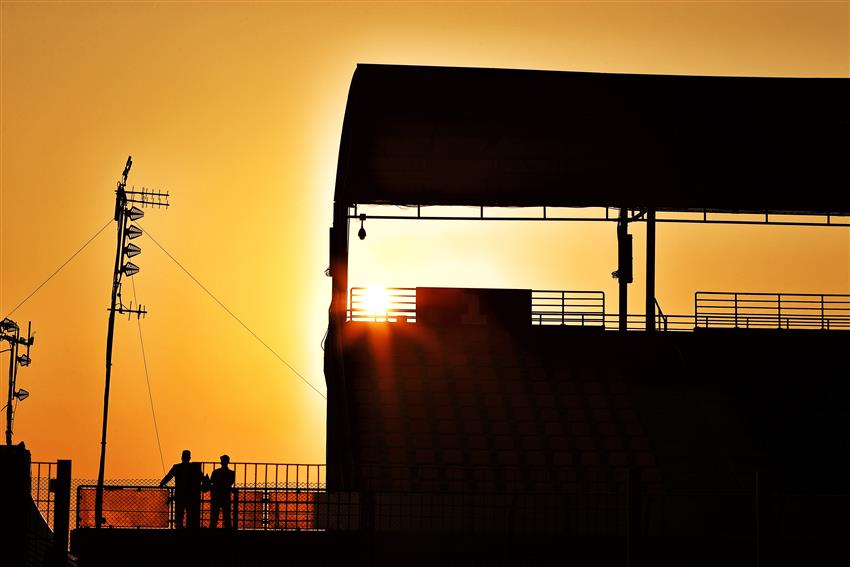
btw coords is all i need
(135, 213)
(132, 250)
(24, 360)
(21, 395)
(130, 269)
(8, 325)
(133, 232)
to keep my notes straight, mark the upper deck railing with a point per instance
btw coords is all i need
(392, 304)
(556, 307)
(825, 311)
(712, 310)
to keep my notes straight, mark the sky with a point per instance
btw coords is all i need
(236, 109)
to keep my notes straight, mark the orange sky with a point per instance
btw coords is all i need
(237, 109)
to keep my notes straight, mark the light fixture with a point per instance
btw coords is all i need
(132, 250)
(24, 360)
(8, 325)
(130, 269)
(362, 232)
(21, 395)
(135, 213)
(133, 232)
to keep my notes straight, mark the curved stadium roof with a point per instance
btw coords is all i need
(496, 137)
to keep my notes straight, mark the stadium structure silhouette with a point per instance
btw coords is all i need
(713, 446)
(517, 426)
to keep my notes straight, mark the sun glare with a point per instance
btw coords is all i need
(377, 301)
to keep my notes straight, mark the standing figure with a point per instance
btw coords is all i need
(221, 480)
(188, 482)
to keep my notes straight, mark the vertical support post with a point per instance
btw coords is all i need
(61, 512)
(624, 267)
(110, 334)
(650, 270)
(339, 460)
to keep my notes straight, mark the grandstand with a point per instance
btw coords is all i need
(729, 434)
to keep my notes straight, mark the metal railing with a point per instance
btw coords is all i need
(637, 322)
(712, 309)
(153, 507)
(661, 319)
(557, 307)
(145, 504)
(273, 475)
(548, 307)
(586, 502)
(392, 304)
(41, 475)
(715, 309)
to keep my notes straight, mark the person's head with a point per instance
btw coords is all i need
(224, 460)
(186, 456)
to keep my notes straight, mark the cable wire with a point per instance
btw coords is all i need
(229, 312)
(148, 380)
(74, 255)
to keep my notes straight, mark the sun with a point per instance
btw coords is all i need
(376, 301)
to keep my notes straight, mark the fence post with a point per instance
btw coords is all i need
(61, 489)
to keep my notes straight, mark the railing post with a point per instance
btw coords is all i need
(779, 310)
(821, 312)
(736, 309)
(696, 314)
(563, 306)
(77, 521)
(61, 489)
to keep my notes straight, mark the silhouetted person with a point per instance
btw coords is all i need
(221, 480)
(188, 482)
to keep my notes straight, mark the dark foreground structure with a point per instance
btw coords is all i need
(505, 427)
(724, 444)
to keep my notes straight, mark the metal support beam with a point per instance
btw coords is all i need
(624, 267)
(650, 270)
(547, 215)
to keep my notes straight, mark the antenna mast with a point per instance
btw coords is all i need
(126, 212)
(11, 333)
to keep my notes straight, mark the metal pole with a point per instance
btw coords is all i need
(116, 285)
(650, 269)
(622, 234)
(13, 359)
(61, 512)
